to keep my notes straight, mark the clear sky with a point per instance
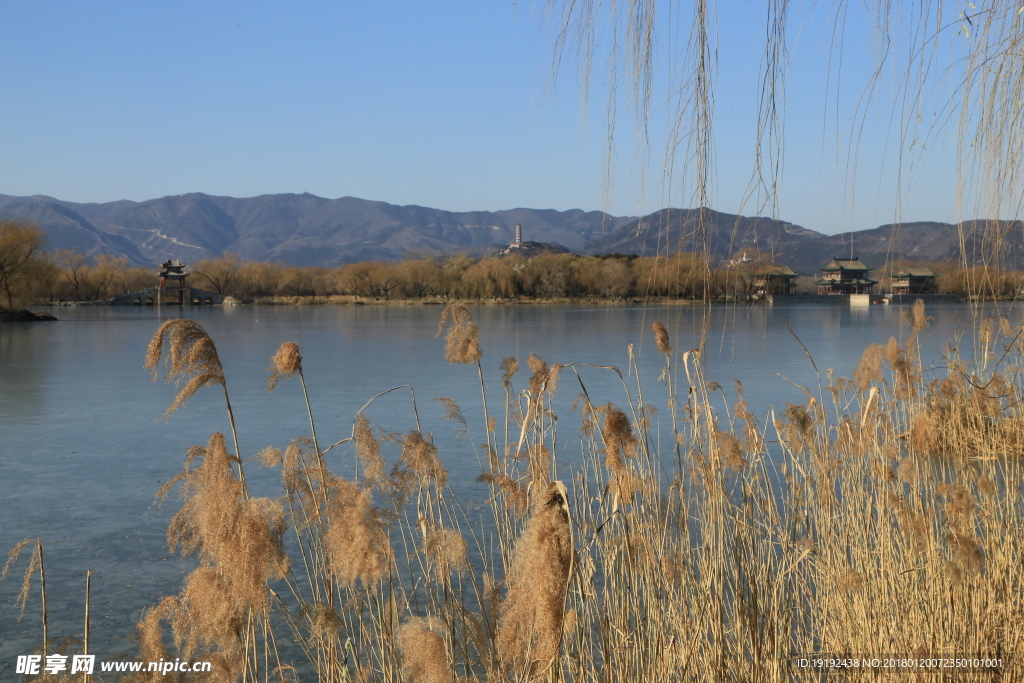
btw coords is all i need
(444, 104)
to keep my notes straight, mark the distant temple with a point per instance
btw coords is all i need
(774, 280)
(172, 290)
(845, 276)
(914, 281)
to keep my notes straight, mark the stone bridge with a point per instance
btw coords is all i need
(170, 296)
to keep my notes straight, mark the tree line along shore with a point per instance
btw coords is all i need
(29, 274)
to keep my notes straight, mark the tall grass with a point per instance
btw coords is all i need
(881, 516)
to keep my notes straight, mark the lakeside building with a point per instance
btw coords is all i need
(774, 280)
(914, 281)
(172, 290)
(845, 276)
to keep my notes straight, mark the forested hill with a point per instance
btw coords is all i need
(309, 230)
(297, 229)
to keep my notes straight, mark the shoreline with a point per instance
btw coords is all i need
(21, 315)
(350, 300)
(353, 300)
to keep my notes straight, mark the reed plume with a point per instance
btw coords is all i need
(191, 359)
(284, 364)
(661, 338)
(540, 370)
(530, 630)
(420, 456)
(620, 444)
(151, 640)
(444, 548)
(424, 659)
(192, 355)
(730, 451)
(34, 565)
(238, 540)
(208, 621)
(355, 540)
(918, 319)
(902, 369)
(368, 450)
(324, 623)
(212, 493)
(509, 367)
(453, 413)
(514, 496)
(870, 368)
(963, 542)
(295, 474)
(462, 343)
(619, 439)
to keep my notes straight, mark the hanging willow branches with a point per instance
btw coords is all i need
(943, 74)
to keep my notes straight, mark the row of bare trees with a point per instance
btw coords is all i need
(461, 277)
(29, 273)
(546, 276)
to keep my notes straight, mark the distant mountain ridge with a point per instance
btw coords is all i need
(303, 229)
(298, 229)
(804, 250)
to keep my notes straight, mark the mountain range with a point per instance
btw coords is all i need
(729, 236)
(303, 229)
(297, 229)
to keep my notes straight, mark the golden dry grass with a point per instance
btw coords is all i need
(880, 515)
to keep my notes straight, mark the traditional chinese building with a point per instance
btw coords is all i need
(172, 289)
(914, 281)
(845, 276)
(173, 274)
(774, 280)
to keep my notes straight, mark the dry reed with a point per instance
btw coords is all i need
(530, 630)
(356, 544)
(191, 359)
(849, 532)
(423, 652)
(661, 338)
(284, 364)
(462, 344)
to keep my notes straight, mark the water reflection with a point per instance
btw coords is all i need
(23, 350)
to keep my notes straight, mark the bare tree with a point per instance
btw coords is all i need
(73, 267)
(220, 274)
(21, 246)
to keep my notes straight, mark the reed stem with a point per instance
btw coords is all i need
(234, 436)
(85, 638)
(42, 589)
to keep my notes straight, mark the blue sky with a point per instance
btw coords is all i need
(447, 104)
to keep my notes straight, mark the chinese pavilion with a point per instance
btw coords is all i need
(914, 281)
(173, 274)
(774, 280)
(845, 276)
(172, 289)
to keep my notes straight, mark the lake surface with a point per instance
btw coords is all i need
(83, 447)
